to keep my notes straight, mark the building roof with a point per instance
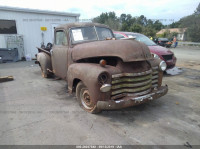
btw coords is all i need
(171, 30)
(17, 9)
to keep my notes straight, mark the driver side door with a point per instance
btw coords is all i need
(59, 54)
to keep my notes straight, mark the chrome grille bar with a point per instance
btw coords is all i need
(134, 84)
(130, 90)
(124, 85)
(134, 79)
(132, 74)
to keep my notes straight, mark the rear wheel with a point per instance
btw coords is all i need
(83, 96)
(44, 72)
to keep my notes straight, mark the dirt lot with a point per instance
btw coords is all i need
(34, 110)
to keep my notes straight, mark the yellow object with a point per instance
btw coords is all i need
(43, 28)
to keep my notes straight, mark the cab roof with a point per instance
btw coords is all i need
(79, 24)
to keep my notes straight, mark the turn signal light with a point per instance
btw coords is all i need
(103, 63)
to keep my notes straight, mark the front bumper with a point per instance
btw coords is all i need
(131, 100)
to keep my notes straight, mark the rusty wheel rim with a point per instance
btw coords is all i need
(85, 99)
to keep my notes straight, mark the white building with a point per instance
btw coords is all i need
(22, 28)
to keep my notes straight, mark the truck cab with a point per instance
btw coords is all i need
(105, 73)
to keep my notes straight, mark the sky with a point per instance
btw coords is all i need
(167, 11)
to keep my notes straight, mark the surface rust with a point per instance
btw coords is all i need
(130, 69)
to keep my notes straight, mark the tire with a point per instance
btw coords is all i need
(83, 97)
(44, 62)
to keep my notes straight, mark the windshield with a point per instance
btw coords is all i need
(91, 33)
(118, 36)
(143, 39)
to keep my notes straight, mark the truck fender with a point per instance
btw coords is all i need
(88, 73)
(44, 61)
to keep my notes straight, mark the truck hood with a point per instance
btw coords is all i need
(127, 50)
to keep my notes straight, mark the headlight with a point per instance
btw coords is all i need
(103, 77)
(163, 66)
(155, 55)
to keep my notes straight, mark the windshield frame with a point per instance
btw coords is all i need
(86, 41)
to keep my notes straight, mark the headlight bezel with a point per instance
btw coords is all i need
(103, 78)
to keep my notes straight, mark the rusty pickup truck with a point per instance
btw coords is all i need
(105, 73)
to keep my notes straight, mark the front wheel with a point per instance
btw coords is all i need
(83, 96)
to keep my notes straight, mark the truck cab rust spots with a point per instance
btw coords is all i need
(130, 77)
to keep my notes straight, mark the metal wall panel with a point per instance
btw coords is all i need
(2, 41)
(16, 41)
(29, 24)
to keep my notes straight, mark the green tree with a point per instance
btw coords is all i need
(174, 25)
(193, 33)
(108, 18)
(142, 20)
(122, 18)
(149, 23)
(157, 25)
(125, 27)
(148, 31)
(136, 28)
(112, 23)
(192, 23)
(128, 23)
(197, 12)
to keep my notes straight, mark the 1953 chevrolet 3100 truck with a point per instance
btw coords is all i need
(103, 72)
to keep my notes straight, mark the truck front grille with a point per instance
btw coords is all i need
(155, 77)
(133, 84)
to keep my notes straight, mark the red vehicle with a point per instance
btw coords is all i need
(158, 51)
